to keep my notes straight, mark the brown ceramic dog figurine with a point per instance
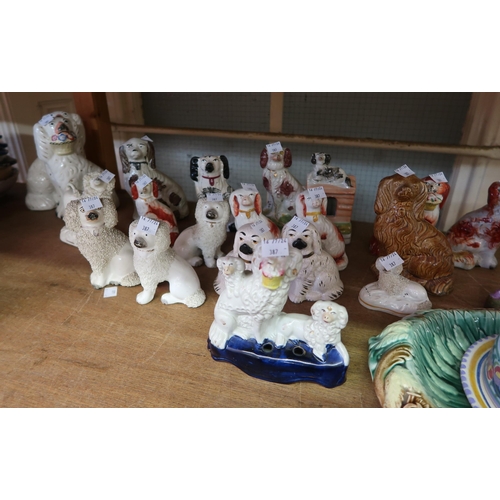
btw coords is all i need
(400, 227)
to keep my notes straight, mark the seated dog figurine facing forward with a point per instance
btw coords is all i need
(156, 262)
(202, 242)
(319, 277)
(107, 249)
(210, 172)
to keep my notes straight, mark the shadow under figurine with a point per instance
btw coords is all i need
(250, 331)
(155, 262)
(400, 227)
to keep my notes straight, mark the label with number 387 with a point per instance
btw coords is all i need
(148, 225)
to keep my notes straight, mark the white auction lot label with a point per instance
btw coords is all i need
(148, 225)
(391, 261)
(275, 248)
(91, 203)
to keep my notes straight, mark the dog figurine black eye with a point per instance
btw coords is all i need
(210, 172)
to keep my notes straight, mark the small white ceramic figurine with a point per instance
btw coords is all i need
(281, 186)
(56, 176)
(138, 158)
(250, 298)
(314, 211)
(393, 293)
(156, 262)
(210, 172)
(246, 206)
(323, 173)
(202, 242)
(475, 237)
(318, 278)
(148, 205)
(319, 330)
(107, 249)
(245, 242)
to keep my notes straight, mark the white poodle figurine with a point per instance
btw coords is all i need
(246, 207)
(94, 186)
(138, 158)
(250, 298)
(321, 329)
(314, 211)
(156, 262)
(324, 174)
(281, 186)
(319, 277)
(107, 249)
(210, 173)
(393, 293)
(148, 205)
(56, 176)
(202, 242)
(245, 242)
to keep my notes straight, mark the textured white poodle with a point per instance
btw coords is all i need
(202, 242)
(156, 262)
(319, 277)
(107, 249)
(319, 330)
(250, 298)
(314, 211)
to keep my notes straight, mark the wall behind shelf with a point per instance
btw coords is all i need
(423, 117)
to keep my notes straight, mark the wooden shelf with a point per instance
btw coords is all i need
(63, 345)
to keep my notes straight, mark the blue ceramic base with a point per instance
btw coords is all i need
(294, 362)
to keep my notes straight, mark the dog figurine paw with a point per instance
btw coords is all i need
(156, 262)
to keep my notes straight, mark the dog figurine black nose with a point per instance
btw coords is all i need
(212, 214)
(92, 216)
(140, 242)
(299, 244)
(209, 167)
(247, 250)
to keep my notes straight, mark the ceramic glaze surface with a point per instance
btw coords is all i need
(156, 262)
(138, 158)
(314, 212)
(393, 293)
(281, 186)
(209, 174)
(246, 207)
(416, 361)
(400, 226)
(437, 193)
(480, 373)
(202, 242)
(323, 173)
(107, 249)
(318, 278)
(475, 237)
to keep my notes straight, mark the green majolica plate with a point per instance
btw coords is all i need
(415, 362)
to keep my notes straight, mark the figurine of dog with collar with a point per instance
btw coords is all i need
(323, 173)
(210, 172)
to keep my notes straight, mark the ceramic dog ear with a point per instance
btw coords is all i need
(193, 168)
(225, 162)
(110, 213)
(124, 159)
(287, 158)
